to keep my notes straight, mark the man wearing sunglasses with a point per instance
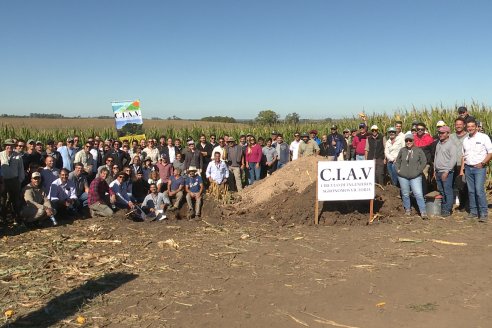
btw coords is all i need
(68, 154)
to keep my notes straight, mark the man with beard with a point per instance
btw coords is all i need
(459, 183)
(307, 146)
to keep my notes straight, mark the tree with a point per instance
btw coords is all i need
(292, 118)
(267, 117)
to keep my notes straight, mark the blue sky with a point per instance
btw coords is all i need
(200, 58)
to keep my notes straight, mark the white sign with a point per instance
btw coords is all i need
(345, 180)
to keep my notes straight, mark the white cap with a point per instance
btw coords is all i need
(374, 127)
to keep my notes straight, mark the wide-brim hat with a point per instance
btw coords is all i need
(9, 142)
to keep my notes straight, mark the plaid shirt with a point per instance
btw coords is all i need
(98, 190)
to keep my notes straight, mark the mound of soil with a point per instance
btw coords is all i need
(288, 196)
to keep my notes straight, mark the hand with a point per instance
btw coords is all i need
(257, 165)
(461, 173)
(131, 205)
(49, 212)
(112, 199)
(444, 176)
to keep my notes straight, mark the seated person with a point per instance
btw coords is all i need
(194, 190)
(97, 200)
(79, 179)
(38, 206)
(175, 188)
(140, 187)
(119, 189)
(155, 203)
(62, 194)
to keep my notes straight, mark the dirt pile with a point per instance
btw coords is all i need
(288, 196)
(295, 177)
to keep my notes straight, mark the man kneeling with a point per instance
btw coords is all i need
(98, 204)
(155, 203)
(194, 190)
(38, 206)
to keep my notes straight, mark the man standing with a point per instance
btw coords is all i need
(68, 154)
(400, 136)
(308, 147)
(294, 146)
(459, 180)
(38, 206)
(235, 160)
(220, 148)
(31, 155)
(84, 157)
(12, 174)
(375, 151)
(194, 189)
(313, 135)
(336, 141)
(424, 140)
(477, 152)
(283, 153)
(51, 151)
(463, 113)
(391, 150)
(359, 142)
(152, 152)
(98, 189)
(170, 151)
(205, 149)
(269, 157)
(193, 157)
(444, 164)
(347, 138)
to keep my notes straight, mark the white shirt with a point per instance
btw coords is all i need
(220, 150)
(218, 172)
(294, 148)
(476, 148)
(62, 191)
(172, 154)
(392, 149)
(95, 154)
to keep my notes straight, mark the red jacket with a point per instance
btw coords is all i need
(359, 143)
(424, 141)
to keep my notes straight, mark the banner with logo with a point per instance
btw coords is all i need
(345, 180)
(128, 119)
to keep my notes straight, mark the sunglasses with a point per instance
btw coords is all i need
(37, 178)
(374, 130)
(408, 140)
(420, 129)
(392, 132)
(440, 132)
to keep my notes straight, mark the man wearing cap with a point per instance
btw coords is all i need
(194, 190)
(424, 140)
(307, 146)
(12, 174)
(336, 141)
(236, 162)
(68, 154)
(444, 164)
(37, 205)
(477, 153)
(274, 137)
(193, 157)
(359, 142)
(375, 151)
(313, 135)
(391, 150)
(31, 155)
(347, 143)
(51, 151)
(294, 146)
(463, 113)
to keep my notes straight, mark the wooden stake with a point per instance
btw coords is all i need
(316, 219)
(371, 210)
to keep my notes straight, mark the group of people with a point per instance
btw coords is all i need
(150, 177)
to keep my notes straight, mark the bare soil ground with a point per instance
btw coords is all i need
(261, 264)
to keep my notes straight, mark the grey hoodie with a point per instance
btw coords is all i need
(410, 162)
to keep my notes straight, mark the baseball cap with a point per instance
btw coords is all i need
(362, 125)
(334, 127)
(374, 127)
(36, 175)
(462, 109)
(440, 123)
(409, 136)
(31, 141)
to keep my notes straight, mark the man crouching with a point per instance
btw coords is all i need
(38, 207)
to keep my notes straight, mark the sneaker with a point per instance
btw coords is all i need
(53, 220)
(424, 216)
(471, 216)
(161, 217)
(408, 212)
(482, 219)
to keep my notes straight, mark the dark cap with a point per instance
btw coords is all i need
(275, 132)
(462, 109)
(139, 171)
(304, 135)
(31, 141)
(334, 127)
(313, 132)
(362, 125)
(50, 142)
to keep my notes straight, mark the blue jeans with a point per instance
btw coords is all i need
(447, 192)
(392, 173)
(475, 181)
(254, 173)
(360, 157)
(280, 165)
(416, 185)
